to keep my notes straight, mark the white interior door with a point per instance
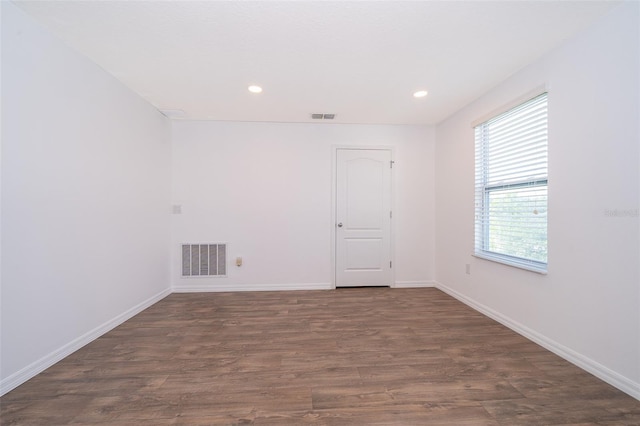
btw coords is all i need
(363, 217)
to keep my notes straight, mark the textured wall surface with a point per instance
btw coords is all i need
(265, 188)
(85, 198)
(588, 305)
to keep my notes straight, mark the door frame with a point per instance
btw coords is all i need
(334, 204)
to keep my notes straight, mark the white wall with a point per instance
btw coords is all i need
(588, 306)
(85, 200)
(265, 189)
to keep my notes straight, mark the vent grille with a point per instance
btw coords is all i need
(318, 116)
(204, 260)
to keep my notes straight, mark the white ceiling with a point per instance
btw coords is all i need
(361, 60)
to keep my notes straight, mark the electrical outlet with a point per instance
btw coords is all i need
(467, 268)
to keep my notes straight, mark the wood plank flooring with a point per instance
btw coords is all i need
(358, 356)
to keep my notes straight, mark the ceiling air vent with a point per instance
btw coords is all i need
(317, 116)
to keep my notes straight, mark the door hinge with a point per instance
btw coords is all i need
(390, 214)
(391, 164)
(390, 264)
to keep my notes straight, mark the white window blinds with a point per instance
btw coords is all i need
(511, 186)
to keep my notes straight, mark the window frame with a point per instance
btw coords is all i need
(483, 189)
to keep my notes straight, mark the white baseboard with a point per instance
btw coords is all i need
(35, 368)
(614, 379)
(217, 288)
(414, 284)
(196, 288)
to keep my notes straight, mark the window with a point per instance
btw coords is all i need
(511, 186)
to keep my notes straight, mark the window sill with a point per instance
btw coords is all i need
(513, 262)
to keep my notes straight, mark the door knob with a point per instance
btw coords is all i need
(340, 225)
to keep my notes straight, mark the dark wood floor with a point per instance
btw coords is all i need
(359, 356)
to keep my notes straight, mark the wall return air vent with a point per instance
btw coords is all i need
(204, 260)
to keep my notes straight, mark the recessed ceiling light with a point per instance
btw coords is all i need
(420, 94)
(255, 89)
